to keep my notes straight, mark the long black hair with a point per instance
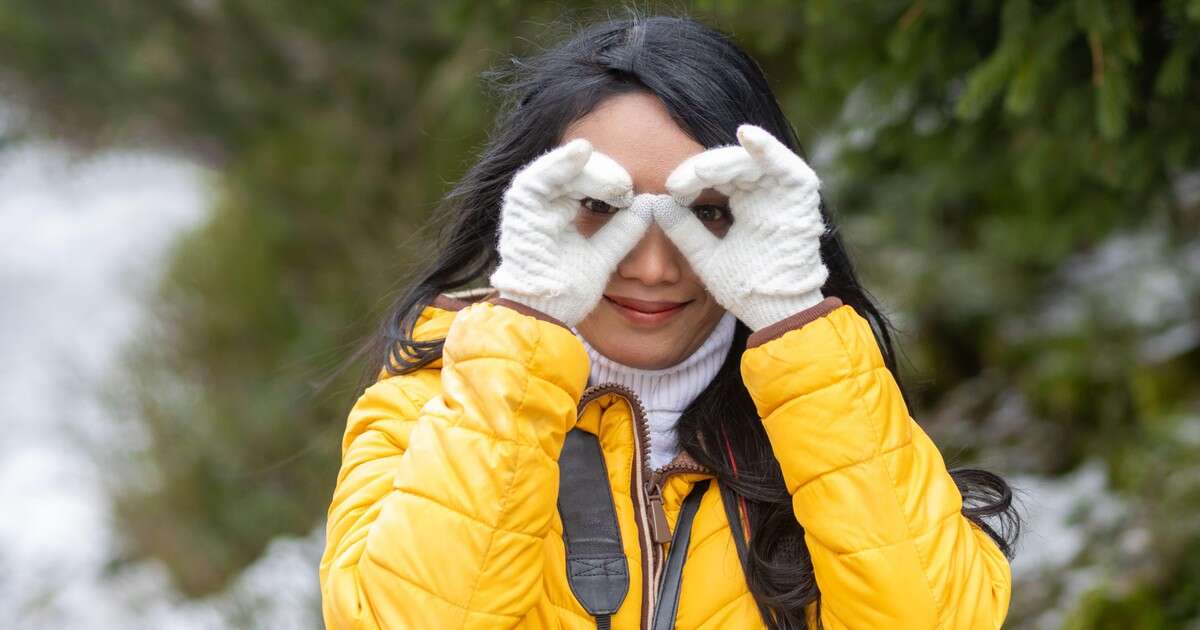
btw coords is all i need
(709, 86)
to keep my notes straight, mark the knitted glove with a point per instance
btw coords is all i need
(768, 265)
(545, 263)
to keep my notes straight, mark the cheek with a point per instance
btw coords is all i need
(688, 276)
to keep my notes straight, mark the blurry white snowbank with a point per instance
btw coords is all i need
(1062, 515)
(1135, 281)
(81, 240)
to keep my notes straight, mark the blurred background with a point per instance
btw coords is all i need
(206, 204)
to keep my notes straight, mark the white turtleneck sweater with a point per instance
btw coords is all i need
(665, 393)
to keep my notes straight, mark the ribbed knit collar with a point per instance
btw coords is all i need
(666, 392)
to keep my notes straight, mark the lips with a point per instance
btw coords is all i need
(645, 306)
(645, 313)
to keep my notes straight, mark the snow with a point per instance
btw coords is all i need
(1060, 516)
(82, 239)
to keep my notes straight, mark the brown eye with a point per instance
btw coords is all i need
(710, 212)
(597, 206)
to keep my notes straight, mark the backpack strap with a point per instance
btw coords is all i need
(672, 582)
(730, 501)
(596, 566)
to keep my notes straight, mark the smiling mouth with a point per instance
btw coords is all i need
(645, 312)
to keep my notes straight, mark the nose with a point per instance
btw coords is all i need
(654, 260)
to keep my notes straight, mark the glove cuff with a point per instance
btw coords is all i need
(764, 311)
(799, 320)
(550, 308)
(525, 309)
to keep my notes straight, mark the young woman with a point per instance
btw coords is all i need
(664, 277)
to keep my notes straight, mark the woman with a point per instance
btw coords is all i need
(664, 277)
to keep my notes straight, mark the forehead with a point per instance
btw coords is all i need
(636, 130)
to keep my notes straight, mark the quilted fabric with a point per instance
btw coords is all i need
(444, 514)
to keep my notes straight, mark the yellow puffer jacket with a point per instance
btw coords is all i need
(445, 515)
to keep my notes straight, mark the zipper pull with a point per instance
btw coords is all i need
(660, 531)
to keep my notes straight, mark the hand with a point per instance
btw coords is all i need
(545, 263)
(768, 265)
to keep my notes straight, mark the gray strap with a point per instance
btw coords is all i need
(596, 566)
(733, 515)
(668, 592)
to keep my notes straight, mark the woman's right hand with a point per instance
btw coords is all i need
(545, 262)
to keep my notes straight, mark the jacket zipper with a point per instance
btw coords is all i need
(646, 489)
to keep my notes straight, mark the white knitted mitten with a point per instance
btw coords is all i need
(545, 263)
(768, 265)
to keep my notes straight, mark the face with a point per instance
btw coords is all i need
(655, 311)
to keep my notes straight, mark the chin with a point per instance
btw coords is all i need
(638, 355)
(651, 358)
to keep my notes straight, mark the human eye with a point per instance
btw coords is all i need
(711, 212)
(597, 206)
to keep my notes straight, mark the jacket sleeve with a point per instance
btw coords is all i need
(882, 516)
(440, 510)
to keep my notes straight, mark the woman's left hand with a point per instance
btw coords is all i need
(768, 265)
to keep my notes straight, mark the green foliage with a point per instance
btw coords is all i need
(1136, 612)
(980, 154)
